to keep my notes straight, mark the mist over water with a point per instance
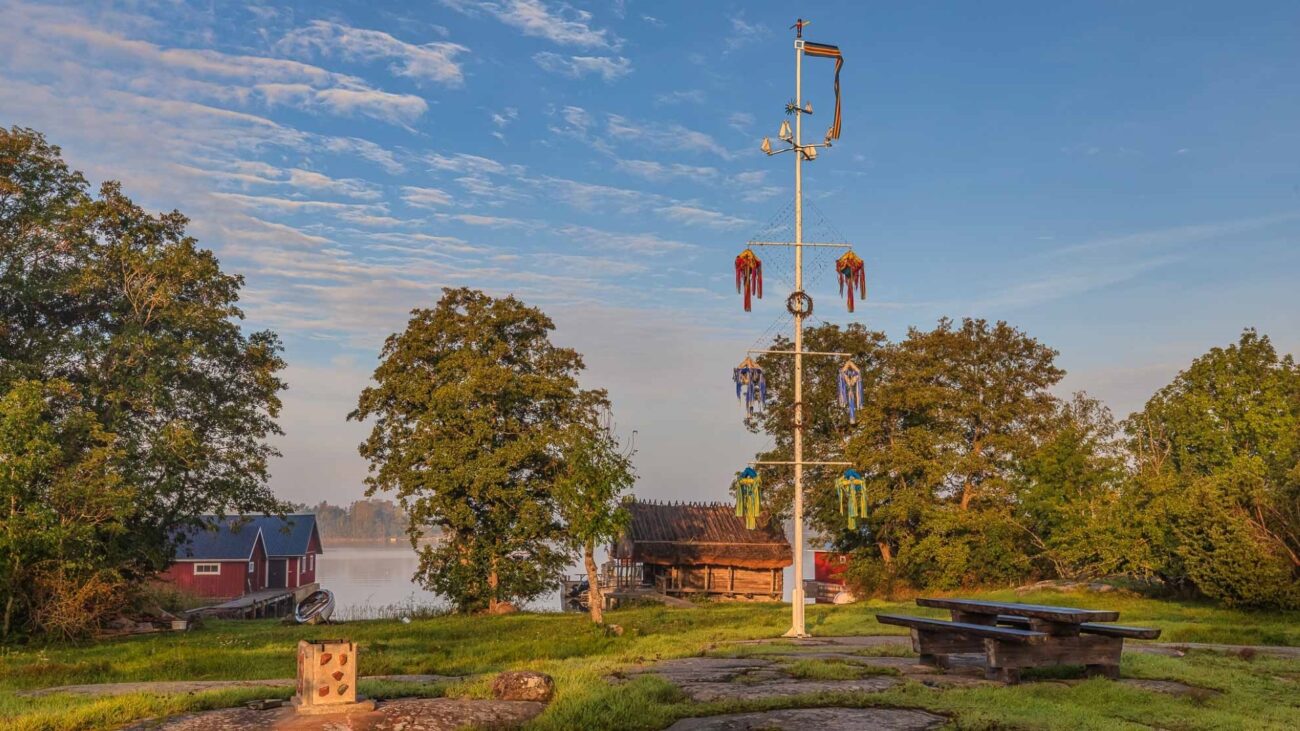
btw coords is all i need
(372, 581)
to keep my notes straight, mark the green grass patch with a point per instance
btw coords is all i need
(814, 669)
(1258, 692)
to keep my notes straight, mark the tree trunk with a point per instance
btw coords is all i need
(595, 597)
(968, 487)
(9, 607)
(493, 581)
(886, 553)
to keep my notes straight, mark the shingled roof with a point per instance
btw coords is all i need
(695, 534)
(224, 539)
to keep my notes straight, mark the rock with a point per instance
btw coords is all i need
(407, 714)
(523, 685)
(881, 719)
(614, 630)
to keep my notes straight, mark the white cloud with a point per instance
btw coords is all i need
(606, 67)
(665, 136)
(473, 219)
(742, 122)
(434, 62)
(565, 25)
(40, 38)
(366, 150)
(743, 33)
(657, 171)
(425, 197)
(691, 96)
(693, 216)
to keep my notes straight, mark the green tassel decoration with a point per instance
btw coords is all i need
(748, 485)
(852, 490)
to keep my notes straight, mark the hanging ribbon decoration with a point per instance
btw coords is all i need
(850, 389)
(826, 51)
(852, 490)
(852, 271)
(748, 486)
(751, 386)
(749, 276)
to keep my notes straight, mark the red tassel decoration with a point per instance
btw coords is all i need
(852, 272)
(749, 276)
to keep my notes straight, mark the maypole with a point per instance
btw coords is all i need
(799, 303)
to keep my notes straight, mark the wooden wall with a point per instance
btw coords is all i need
(720, 581)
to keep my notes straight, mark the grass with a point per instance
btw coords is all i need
(1258, 692)
(832, 670)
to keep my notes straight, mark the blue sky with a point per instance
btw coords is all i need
(1121, 180)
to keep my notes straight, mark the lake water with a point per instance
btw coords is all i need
(369, 580)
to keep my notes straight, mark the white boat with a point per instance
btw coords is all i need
(316, 608)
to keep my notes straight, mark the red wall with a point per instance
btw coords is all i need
(828, 565)
(233, 581)
(227, 584)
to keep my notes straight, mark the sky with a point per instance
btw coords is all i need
(1120, 180)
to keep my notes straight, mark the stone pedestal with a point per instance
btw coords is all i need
(327, 678)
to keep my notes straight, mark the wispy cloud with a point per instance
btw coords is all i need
(658, 171)
(425, 197)
(608, 68)
(744, 33)
(694, 216)
(41, 37)
(681, 96)
(434, 61)
(664, 136)
(560, 23)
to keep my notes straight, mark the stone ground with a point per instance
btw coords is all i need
(754, 669)
(411, 714)
(197, 686)
(879, 719)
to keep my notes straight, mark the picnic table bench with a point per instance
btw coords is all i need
(1016, 636)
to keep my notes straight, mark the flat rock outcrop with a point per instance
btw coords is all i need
(879, 719)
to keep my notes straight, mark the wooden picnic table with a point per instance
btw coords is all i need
(1015, 636)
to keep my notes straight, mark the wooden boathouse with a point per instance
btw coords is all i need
(699, 549)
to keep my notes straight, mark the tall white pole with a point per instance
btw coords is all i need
(797, 595)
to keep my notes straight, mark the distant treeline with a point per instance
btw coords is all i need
(363, 520)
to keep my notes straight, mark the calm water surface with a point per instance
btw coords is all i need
(375, 580)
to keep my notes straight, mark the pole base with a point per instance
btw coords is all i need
(792, 632)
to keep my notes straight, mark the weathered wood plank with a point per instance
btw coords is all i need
(961, 629)
(1082, 650)
(1040, 611)
(1093, 628)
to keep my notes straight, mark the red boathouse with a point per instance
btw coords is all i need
(235, 556)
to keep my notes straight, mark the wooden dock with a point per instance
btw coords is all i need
(257, 605)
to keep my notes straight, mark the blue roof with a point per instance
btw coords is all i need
(233, 538)
(288, 537)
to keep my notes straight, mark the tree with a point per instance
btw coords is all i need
(826, 424)
(1219, 449)
(63, 495)
(1073, 497)
(126, 309)
(597, 472)
(471, 403)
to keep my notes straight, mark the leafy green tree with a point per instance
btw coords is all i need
(64, 496)
(588, 492)
(1072, 497)
(471, 403)
(143, 324)
(826, 424)
(1220, 448)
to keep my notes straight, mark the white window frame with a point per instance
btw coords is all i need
(252, 567)
(201, 568)
(301, 561)
(311, 562)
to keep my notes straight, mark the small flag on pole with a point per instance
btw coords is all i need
(826, 51)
